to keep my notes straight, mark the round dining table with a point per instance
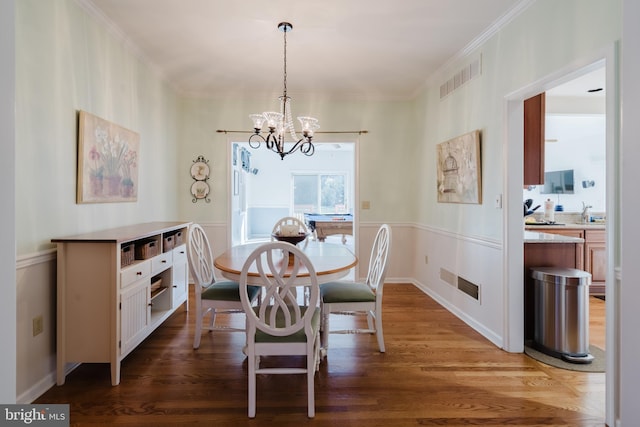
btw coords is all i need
(331, 261)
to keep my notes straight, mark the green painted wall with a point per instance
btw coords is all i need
(548, 36)
(67, 61)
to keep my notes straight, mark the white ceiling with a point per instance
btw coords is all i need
(364, 48)
(581, 86)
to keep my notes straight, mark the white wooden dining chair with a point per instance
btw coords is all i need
(212, 296)
(281, 325)
(288, 222)
(345, 297)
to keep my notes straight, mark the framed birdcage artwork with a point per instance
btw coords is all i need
(459, 169)
(108, 157)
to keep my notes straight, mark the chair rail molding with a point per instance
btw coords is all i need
(29, 260)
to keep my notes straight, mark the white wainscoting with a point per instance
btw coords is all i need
(36, 296)
(476, 260)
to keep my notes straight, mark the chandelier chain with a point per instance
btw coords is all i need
(285, 62)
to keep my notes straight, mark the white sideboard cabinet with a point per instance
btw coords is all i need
(115, 287)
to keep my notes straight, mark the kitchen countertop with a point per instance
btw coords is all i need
(587, 226)
(540, 237)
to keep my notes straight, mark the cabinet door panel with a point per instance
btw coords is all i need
(579, 262)
(180, 276)
(534, 113)
(596, 262)
(180, 254)
(135, 313)
(595, 236)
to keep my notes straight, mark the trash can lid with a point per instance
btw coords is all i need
(561, 276)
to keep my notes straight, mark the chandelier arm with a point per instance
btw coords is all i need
(276, 145)
(271, 142)
(304, 145)
(359, 132)
(307, 148)
(252, 140)
(295, 147)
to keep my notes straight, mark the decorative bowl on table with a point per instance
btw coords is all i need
(294, 240)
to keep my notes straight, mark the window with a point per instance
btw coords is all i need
(320, 193)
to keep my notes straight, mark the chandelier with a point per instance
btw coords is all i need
(279, 123)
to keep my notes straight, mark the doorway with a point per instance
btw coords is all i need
(513, 236)
(266, 188)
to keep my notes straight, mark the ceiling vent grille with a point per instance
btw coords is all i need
(471, 71)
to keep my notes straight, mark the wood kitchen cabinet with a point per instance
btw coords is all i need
(534, 136)
(595, 260)
(115, 287)
(579, 252)
(592, 255)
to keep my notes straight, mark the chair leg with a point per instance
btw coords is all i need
(324, 329)
(311, 372)
(198, 332)
(379, 334)
(370, 319)
(252, 360)
(212, 321)
(317, 352)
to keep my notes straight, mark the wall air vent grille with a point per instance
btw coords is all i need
(469, 288)
(463, 285)
(448, 277)
(469, 72)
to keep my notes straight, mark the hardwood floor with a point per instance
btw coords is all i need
(436, 371)
(597, 322)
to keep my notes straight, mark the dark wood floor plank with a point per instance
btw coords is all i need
(436, 371)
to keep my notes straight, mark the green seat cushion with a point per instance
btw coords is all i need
(334, 292)
(262, 337)
(228, 291)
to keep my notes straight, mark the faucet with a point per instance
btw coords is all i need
(585, 212)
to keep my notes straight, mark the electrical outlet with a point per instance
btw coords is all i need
(38, 325)
(366, 204)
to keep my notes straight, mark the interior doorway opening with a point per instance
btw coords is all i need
(514, 189)
(266, 188)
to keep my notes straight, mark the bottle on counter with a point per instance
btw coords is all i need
(549, 215)
(586, 215)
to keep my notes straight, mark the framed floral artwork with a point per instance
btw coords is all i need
(108, 157)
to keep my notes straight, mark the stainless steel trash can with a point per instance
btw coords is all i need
(562, 313)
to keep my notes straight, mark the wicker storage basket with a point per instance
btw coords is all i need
(179, 238)
(168, 243)
(127, 255)
(146, 249)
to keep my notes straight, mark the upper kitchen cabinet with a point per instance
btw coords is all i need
(534, 113)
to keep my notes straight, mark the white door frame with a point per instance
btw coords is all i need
(326, 139)
(513, 183)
